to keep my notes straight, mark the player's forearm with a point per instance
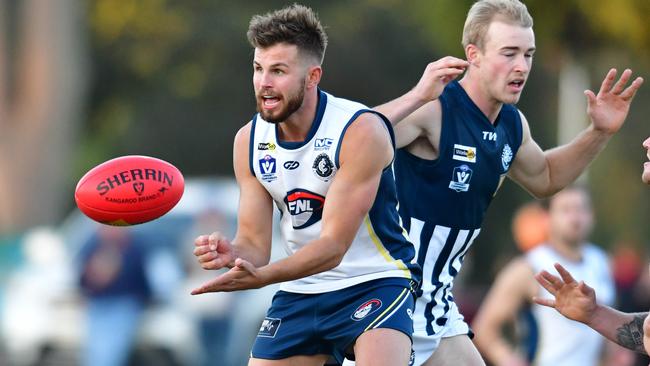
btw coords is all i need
(625, 329)
(318, 256)
(398, 109)
(494, 348)
(245, 249)
(567, 162)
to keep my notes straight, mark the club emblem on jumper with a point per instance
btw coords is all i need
(267, 168)
(460, 178)
(138, 187)
(305, 207)
(269, 327)
(323, 167)
(366, 309)
(506, 157)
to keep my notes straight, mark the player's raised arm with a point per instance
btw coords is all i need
(545, 172)
(411, 112)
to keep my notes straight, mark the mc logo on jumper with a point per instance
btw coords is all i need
(305, 207)
(460, 178)
(267, 167)
(323, 144)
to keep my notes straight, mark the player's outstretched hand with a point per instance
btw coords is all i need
(437, 75)
(213, 251)
(242, 276)
(575, 300)
(609, 108)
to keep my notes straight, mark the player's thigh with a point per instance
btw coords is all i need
(382, 346)
(456, 351)
(315, 360)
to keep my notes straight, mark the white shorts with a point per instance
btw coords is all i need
(425, 345)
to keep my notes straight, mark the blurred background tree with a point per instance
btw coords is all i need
(172, 79)
(42, 87)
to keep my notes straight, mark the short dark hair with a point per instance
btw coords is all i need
(296, 24)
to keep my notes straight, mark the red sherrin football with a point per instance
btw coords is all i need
(129, 190)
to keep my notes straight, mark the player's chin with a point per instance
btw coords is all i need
(511, 98)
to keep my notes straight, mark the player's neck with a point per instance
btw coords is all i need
(481, 97)
(570, 251)
(297, 126)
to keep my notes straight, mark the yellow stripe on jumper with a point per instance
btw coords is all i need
(380, 247)
(388, 309)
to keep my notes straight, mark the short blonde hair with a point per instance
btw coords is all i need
(484, 12)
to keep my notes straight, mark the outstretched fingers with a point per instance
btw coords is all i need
(545, 302)
(548, 281)
(566, 276)
(622, 81)
(608, 82)
(631, 90)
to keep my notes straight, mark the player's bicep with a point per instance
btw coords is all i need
(417, 124)
(366, 150)
(254, 225)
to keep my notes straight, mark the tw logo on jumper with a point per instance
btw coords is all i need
(268, 167)
(269, 327)
(305, 207)
(460, 178)
(464, 153)
(489, 136)
(366, 309)
(323, 144)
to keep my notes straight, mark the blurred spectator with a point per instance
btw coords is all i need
(530, 226)
(114, 281)
(552, 339)
(213, 313)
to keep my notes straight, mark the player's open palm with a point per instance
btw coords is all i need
(213, 251)
(242, 276)
(575, 300)
(609, 108)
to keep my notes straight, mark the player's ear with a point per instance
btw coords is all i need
(314, 74)
(473, 54)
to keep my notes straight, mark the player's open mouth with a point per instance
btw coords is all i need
(270, 101)
(517, 84)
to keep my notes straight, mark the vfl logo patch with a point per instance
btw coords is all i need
(460, 178)
(138, 187)
(305, 207)
(323, 167)
(266, 146)
(269, 327)
(291, 165)
(464, 153)
(366, 309)
(323, 144)
(267, 167)
(506, 157)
